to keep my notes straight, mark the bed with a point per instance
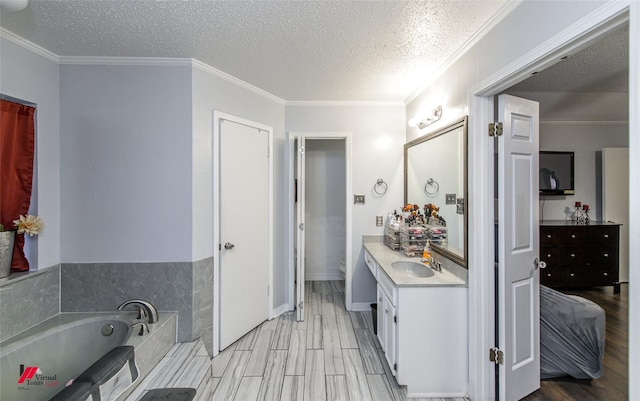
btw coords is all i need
(572, 334)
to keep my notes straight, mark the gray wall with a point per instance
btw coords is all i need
(28, 299)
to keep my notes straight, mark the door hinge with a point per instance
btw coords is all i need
(395, 319)
(301, 150)
(301, 305)
(395, 367)
(301, 226)
(495, 129)
(219, 247)
(267, 290)
(496, 356)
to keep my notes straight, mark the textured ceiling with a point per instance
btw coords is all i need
(601, 67)
(338, 50)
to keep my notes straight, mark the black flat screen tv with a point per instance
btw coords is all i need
(556, 173)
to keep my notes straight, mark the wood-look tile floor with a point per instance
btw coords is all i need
(332, 355)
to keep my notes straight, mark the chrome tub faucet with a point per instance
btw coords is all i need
(145, 309)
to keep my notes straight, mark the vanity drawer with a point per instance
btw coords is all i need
(388, 287)
(371, 264)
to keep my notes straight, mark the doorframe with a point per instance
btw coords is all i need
(481, 189)
(289, 160)
(269, 313)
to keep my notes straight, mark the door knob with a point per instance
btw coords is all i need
(539, 264)
(228, 246)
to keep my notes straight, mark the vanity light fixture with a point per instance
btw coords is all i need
(433, 116)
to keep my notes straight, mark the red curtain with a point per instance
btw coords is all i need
(17, 139)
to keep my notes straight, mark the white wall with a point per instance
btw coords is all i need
(34, 78)
(377, 149)
(126, 163)
(211, 93)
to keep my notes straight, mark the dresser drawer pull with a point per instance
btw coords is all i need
(548, 235)
(605, 274)
(573, 255)
(606, 255)
(572, 274)
(606, 235)
(548, 255)
(573, 235)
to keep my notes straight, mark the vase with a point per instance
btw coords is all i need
(6, 252)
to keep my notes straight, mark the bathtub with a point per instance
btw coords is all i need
(38, 363)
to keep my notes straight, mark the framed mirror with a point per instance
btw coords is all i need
(435, 172)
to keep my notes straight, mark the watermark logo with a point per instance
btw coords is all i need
(33, 376)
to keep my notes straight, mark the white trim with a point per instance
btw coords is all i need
(30, 46)
(361, 307)
(583, 122)
(634, 194)
(573, 38)
(323, 277)
(279, 311)
(124, 61)
(481, 280)
(290, 136)
(270, 312)
(236, 81)
(502, 12)
(343, 103)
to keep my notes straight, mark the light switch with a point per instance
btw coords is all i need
(378, 221)
(358, 199)
(450, 199)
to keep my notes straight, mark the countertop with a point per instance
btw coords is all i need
(384, 256)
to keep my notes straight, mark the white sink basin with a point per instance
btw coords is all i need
(410, 268)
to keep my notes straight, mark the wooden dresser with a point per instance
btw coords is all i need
(579, 255)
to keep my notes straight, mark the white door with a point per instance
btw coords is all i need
(518, 248)
(244, 229)
(300, 213)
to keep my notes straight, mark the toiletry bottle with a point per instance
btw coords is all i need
(426, 253)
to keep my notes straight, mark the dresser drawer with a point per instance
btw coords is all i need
(579, 236)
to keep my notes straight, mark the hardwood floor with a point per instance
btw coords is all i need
(614, 383)
(332, 355)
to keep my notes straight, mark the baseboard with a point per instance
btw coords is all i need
(361, 306)
(322, 277)
(279, 310)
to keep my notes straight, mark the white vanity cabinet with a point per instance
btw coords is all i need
(423, 332)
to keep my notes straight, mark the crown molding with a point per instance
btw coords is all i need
(584, 122)
(32, 47)
(344, 103)
(123, 61)
(502, 12)
(236, 81)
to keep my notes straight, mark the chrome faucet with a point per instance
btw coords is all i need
(145, 309)
(437, 266)
(144, 329)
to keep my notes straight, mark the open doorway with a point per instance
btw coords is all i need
(482, 105)
(320, 218)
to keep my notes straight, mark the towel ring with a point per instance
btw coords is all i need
(433, 184)
(380, 183)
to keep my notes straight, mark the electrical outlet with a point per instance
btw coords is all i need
(358, 199)
(450, 199)
(378, 221)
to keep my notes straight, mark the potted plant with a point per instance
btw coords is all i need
(26, 224)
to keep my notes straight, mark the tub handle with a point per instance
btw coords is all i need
(144, 329)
